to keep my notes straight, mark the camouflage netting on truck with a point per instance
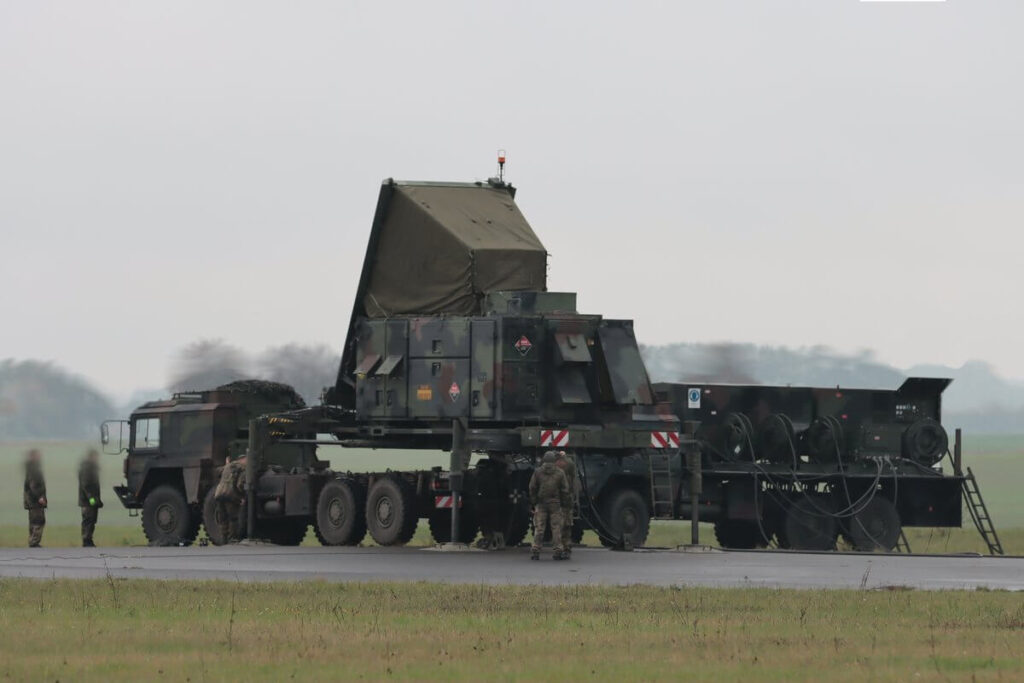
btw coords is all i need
(276, 392)
(439, 248)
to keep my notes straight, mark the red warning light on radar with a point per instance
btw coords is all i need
(501, 156)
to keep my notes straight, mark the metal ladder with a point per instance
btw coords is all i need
(979, 513)
(662, 488)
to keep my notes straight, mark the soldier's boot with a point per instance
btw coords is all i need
(36, 523)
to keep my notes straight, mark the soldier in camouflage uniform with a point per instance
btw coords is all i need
(229, 494)
(35, 497)
(567, 464)
(89, 495)
(549, 495)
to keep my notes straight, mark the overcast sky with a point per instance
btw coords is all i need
(798, 173)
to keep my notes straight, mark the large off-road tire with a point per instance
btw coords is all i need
(287, 531)
(512, 519)
(440, 522)
(741, 534)
(167, 518)
(391, 511)
(808, 525)
(875, 527)
(625, 512)
(211, 517)
(341, 513)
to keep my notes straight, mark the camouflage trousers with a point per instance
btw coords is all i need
(228, 512)
(36, 522)
(543, 515)
(568, 516)
(89, 517)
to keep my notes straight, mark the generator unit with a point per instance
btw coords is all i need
(790, 425)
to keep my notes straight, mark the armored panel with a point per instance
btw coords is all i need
(521, 351)
(439, 338)
(371, 349)
(626, 372)
(572, 347)
(439, 387)
(393, 369)
(521, 387)
(571, 385)
(482, 381)
(520, 303)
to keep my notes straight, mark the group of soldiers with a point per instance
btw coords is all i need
(554, 496)
(88, 496)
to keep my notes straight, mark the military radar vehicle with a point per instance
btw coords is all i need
(454, 343)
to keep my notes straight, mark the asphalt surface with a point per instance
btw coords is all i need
(588, 566)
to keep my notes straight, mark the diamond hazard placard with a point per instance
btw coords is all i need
(454, 391)
(523, 345)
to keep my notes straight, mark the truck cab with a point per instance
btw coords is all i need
(174, 450)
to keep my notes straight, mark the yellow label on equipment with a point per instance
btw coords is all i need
(424, 393)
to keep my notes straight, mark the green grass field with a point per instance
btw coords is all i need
(998, 462)
(197, 631)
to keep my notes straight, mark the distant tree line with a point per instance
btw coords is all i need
(41, 401)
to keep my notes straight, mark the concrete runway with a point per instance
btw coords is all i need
(588, 566)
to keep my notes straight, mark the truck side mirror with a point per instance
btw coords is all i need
(104, 433)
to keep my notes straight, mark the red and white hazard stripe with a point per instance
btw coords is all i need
(664, 439)
(557, 438)
(445, 502)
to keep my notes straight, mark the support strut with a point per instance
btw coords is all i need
(457, 467)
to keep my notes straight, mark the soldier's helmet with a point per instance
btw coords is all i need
(550, 456)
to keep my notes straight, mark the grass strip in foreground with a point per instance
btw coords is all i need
(146, 630)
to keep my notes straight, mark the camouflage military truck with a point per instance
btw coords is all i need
(454, 344)
(175, 448)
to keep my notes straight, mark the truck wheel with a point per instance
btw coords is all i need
(167, 517)
(625, 512)
(287, 531)
(440, 522)
(211, 519)
(512, 518)
(875, 527)
(809, 526)
(391, 511)
(341, 513)
(741, 534)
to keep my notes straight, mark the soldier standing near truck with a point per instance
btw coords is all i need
(89, 495)
(230, 494)
(549, 495)
(567, 464)
(35, 497)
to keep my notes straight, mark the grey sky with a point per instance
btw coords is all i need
(819, 172)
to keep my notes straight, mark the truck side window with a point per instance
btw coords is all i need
(147, 433)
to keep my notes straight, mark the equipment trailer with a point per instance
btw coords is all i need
(455, 344)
